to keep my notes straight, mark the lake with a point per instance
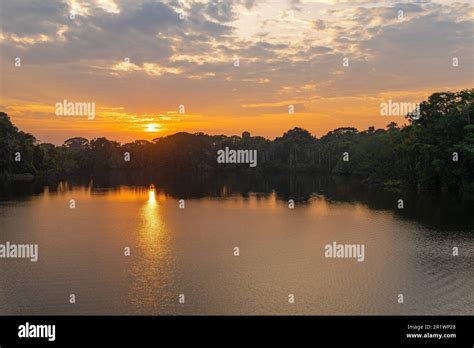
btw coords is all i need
(192, 251)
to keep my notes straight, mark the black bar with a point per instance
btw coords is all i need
(289, 330)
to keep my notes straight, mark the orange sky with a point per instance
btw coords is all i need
(232, 66)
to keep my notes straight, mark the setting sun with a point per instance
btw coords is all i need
(152, 127)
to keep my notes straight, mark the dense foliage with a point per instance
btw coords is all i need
(421, 154)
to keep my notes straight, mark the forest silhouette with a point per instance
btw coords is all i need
(434, 151)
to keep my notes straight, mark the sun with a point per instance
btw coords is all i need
(152, 127)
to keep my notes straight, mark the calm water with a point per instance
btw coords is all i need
(190, 251)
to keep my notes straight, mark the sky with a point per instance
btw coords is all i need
(154, 68)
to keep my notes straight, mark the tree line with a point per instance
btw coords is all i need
(434, 151)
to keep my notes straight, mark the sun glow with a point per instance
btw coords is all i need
(152, 127)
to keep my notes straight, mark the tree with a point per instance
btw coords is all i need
(77, 143)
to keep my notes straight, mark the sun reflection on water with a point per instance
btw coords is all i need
(151, 197)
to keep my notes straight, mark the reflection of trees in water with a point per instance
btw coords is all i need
(440, 211)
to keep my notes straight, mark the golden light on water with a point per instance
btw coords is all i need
(152, 197)
(151, 223)
(151, 214)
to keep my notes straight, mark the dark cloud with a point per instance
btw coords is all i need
(222, 11)
(319, 24)
(384, 53)
(25, 18)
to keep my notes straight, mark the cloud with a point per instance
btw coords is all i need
(319, 24)
(182, 52)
